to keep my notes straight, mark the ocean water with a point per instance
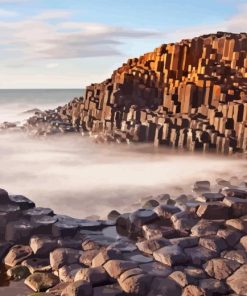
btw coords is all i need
(75, 176)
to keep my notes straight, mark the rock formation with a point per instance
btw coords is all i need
(191, 94)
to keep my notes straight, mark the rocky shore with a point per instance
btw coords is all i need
(168, 247)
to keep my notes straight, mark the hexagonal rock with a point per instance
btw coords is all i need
(135, 281)
(42, 245)
(142, 217)
(23, 202)
(238, 281)
(123, 225)
(37, 264)
(185, 224)
(216, 210)
(67, 273)
(216, 244)
(40, 282)
(4, 197)
(230, 235)
(64, 256)
(19, 232)
(234, 192)
(17, 254)
(164, 287)
(63, 229)
(166, 211)
(238, 206)
(239, 224)
(38, 212)
(199, 255)
(9, 213)
(220, 268)
(153, 231)
(116, 267)
(239, 256)
(194, 272)
(213, 287)
(105, 255)
(97, 276)
(149, 246)
(210, 197)
(192, 290)
(205, 228)
(171, 255)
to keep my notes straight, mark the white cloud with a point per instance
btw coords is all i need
(7, 13)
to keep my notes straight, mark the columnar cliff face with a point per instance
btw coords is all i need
(191, 94)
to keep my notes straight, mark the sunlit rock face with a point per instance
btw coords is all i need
(190, 94)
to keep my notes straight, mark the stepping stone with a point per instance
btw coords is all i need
(171, 255)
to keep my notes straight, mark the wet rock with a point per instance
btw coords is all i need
(230, 235)
(63, 229)
(135, 282)
(105, 255)
(220, 268)
(40, 282)
(238, 281)
(17, 254)
(116, 267)
(67, 273)
(23, 202)
(97, 276)
(216, 210)
(199, 255)
(238, 206)
(113, 215)
(149, 246)
(142, 217)
(78, 288)
(37, 265)
(171, 255)
(239, 256)
(19, 232)
(38, 212)
(213, 287)
(164, 287)
(18, 273)
(215, 244)
(42, 245)
(64, 256)
(166, 211)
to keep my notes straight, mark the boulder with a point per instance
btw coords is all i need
(4, 197)
(205, 228)
(150, 204)
(215, 210)
(142, 217)
(78, 288)
(156, 231)
(185, 242)
(17, 254)
(171, 255)
(23, 202)
(230, 235)
(238, 224)
(213, 287)
(166, 211)
(243, 242)
(156, 269)
(37, 265)
(238, 281)
(4, 248)
(199, 255)
(215, 244)
(220, 268)
(19, 232)
(116, 267)
(210, 197)
(105, 255)
(164, 287)
(238, 206)
(37, 212)
(64, 256)
(113, 215)
(87, 257)
(97, 276)
(201, 186)
(234, 192)
(40, 282)
(42, 245)
(67, 273)
(239, 256)
(63, 229)
(192, 290)
(149, 246)
(18, 272)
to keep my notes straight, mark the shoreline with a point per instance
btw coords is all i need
(180, 247)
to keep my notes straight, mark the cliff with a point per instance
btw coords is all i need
(190, 94)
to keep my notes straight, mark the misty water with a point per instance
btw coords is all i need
(75, 176)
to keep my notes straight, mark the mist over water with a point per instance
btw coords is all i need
(74, 176)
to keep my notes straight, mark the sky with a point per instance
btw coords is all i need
(73, 43)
